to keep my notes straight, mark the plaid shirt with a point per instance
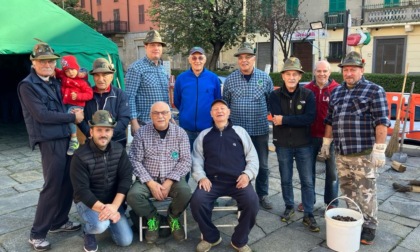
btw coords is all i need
(154, 158)
(146, 83)
(354, 115)
(248, 100)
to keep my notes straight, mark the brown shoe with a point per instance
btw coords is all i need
(176, 228)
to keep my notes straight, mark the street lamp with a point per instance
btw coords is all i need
(318, 25)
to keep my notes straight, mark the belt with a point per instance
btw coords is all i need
(358, 154)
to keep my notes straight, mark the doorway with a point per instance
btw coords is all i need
(389, 54)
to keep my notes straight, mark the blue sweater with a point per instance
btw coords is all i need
(193, 97)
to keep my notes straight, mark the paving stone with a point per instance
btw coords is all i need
(6, 181)
(394, 228)
(26, 166)
(37, 184)
(27, 176)
(403, 207)
(18, 202)
(406, 221)
(4, 172)
(412, 241)
(16, 220)
(8, 162)
(7, 192)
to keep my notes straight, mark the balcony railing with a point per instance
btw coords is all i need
(335, 19)
(402, 12)
(112, 27)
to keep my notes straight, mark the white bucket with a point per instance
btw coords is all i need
(341, 235)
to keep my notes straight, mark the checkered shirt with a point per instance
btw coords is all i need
(354, 114)
(146, 83)
(248, 100)
(154, 158)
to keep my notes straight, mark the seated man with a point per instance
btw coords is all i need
(101, 174)
(160, 155)
(224, 163)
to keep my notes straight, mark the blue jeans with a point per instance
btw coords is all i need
(331, 181)
(303, 157)
(72, 125)
(121, 231)
(261, 183)
(192, 135)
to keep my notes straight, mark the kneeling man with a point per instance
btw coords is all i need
(100, 172)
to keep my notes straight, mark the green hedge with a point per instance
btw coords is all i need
(390, 82)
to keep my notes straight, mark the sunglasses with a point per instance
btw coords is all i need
(194, 58)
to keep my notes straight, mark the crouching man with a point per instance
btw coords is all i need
(100, 172)
(224, 163)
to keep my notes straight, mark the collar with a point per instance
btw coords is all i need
(106, 91)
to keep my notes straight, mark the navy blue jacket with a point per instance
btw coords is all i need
(45, 116)
(117, 104)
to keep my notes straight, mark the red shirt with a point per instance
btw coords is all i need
(322, 98)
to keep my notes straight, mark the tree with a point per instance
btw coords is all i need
(281, 19)
(211, 24)
(72, 7)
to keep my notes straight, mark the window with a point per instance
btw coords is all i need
(98, 2)
(115, 1)
(337, 5)
(82, 3)
(141, 14)
(336, 49)
(99, 16)
(391, 3)
(116, 14)
(292, 7)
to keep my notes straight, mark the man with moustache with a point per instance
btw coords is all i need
(160, 154)
(357, 122)
(293, 111)
(246, 92)
(224, 163)
(47, 120)
(146, 81)
(322, 87)
(107, 97)
(101, 176)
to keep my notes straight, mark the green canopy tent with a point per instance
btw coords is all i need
(23, 21)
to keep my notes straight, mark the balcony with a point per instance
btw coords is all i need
(112, 27)
(335, 20)
(402, 12)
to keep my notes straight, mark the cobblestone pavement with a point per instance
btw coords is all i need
(21, 181)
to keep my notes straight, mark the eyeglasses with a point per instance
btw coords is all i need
(157, 113)
(245, 57)
(194, 58)
(45, 62)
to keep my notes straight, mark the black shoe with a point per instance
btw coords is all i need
(68, 227)
(288, 213)
(90, 244)
(266, 203)
(310, 222)
(368, 235)
(152, 232)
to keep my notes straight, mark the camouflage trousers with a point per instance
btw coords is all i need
(357, 176)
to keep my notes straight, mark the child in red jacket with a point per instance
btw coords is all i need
(75, 91)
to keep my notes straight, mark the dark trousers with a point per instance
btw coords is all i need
(56, 197)
(261, 182)
(202, 204)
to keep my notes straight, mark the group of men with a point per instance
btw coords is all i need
(225, 141)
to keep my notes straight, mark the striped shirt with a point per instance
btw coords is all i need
(354, 114)
(146, 83)
(154, 158)
(248, 100)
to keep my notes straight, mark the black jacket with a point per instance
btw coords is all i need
(117, 104)
(45, 116)
(100, 175)
(298, 111)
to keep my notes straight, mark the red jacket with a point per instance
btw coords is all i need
(78, 85)
(322, 98)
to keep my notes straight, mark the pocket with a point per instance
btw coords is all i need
(259, 93)
(360, 106)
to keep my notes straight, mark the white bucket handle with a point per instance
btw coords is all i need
(343, 197)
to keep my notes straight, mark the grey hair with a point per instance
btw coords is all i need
(323, 61)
